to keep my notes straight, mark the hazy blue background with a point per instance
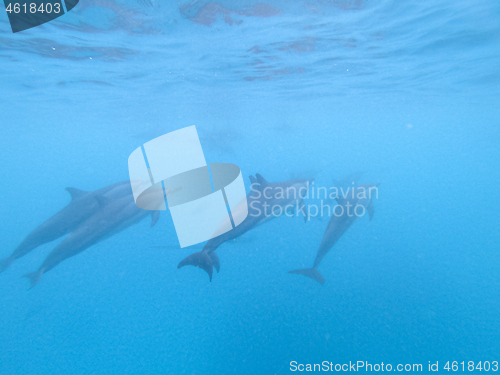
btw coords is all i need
(407, 93)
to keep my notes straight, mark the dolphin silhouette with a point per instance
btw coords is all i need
(82, 206)
(114, 215)
(362, 196)
(266, 201)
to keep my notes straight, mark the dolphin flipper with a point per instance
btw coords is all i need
(200, 259)
(5, 263)
(102, 200)
(34, 277)
(310, 272)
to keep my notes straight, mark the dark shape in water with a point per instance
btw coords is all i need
(338, 225)
(258, 213)
(23, 16)
(82, 206)
(114, 215)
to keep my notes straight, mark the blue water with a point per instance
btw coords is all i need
(406, 92)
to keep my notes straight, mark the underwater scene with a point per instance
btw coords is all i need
(249, 187)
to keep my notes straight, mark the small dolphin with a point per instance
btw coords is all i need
(362, 195)
(82, 206)
(113, 216)
(266, 201)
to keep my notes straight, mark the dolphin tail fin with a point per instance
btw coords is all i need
(34, 277)
(310, 272)
(200, 259)
(215, 260)
(5, 263)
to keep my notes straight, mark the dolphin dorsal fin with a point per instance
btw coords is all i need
(102, 200)
(253, 180)
(261, 179)
(76, 193)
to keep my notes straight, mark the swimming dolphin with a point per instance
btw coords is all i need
(82, 206)
(362, 196)
(113, 216)
(266, 201)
